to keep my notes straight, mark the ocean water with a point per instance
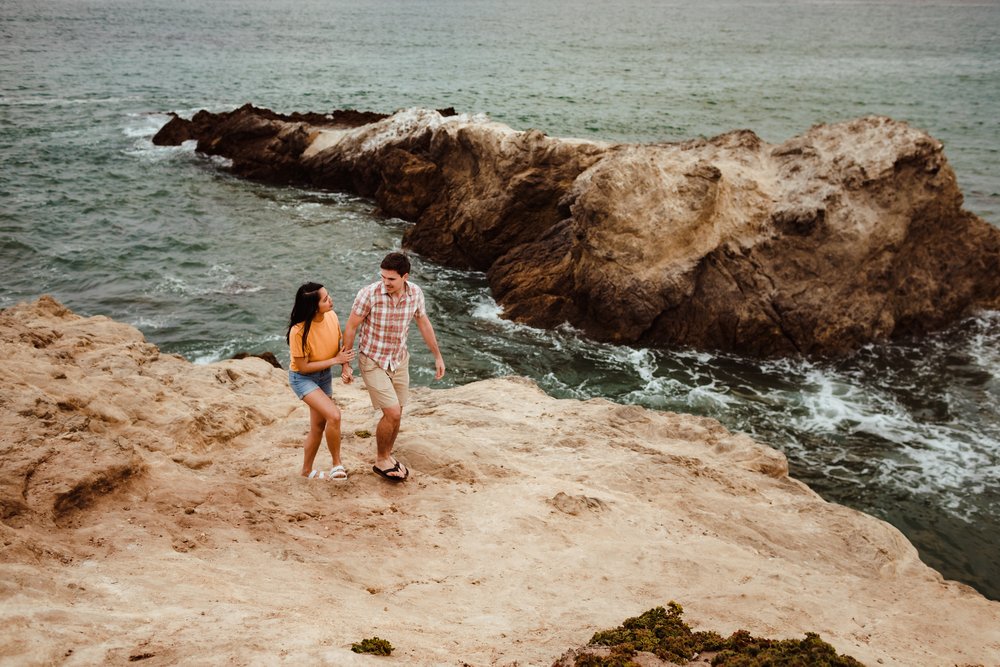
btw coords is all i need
(206, 265)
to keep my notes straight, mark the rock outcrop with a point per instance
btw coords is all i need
(151, 510)
(847, 234)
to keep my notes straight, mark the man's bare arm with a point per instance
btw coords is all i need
(427, 331)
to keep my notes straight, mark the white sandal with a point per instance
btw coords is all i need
(317, 474)
(337, 474)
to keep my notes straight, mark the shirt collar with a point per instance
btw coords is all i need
(406, 288)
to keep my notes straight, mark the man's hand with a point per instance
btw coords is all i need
(438, 367)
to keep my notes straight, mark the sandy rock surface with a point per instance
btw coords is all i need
(151, 513)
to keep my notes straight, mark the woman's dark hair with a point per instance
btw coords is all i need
(304, 310)
(396, 261)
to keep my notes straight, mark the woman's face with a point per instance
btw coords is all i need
(325, 301)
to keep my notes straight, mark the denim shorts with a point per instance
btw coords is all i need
(303, 383)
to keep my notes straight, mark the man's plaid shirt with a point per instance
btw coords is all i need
(385, 325)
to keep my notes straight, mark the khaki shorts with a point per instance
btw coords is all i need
(386, 389)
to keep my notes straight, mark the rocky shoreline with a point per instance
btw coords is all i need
(150, 510)
(849, 234)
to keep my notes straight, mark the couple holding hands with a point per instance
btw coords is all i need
(380, 317)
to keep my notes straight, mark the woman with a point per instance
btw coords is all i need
(313, 338)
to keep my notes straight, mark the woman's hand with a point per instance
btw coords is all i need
(347, 374)
(344, 357)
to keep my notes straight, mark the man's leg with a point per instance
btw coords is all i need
(392, 416)
(388, 392)
(385, 438)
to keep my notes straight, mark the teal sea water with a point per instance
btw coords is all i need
(206, 265)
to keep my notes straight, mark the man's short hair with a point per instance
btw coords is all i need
(396, 261)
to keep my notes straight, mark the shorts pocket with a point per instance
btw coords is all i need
(366, 364)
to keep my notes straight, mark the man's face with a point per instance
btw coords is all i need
(392, 281)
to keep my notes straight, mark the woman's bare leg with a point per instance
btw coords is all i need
(324, 416)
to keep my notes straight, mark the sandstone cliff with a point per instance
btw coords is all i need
(848, 234)
(151, 512)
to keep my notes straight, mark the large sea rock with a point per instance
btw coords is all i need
(848, 234)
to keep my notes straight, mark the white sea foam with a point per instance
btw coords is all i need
(224, 281)
(220, 279)
(641, 361)
(32, 101)
(325, 197)
(553, 382)
(220, 161)
(146, 323)
(207, 357)
(924, 457)
(830, 402)
(141, 128)
(485, 308)
(305, 207)
(984, 344)
(710, 397)
(229, 348)
(172, 285)
(144, 125)
(949, 460)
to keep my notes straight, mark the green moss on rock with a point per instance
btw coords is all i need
(742, 650)
(373, 645)
(663, 633)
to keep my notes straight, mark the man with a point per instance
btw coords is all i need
(381, 317)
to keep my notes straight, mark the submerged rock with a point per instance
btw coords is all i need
(848, 234)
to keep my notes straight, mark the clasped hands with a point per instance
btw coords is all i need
(344, 358)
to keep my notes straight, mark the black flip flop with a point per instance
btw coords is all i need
(392, 478)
